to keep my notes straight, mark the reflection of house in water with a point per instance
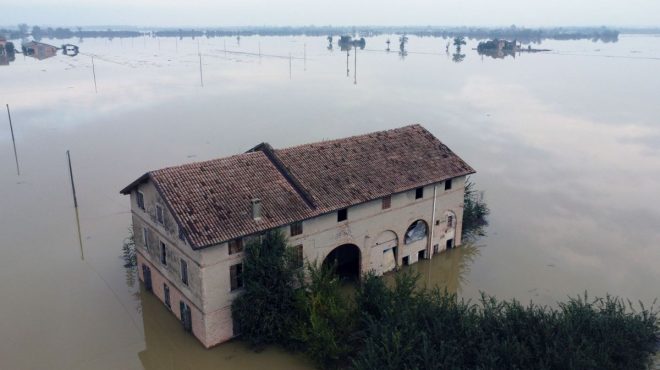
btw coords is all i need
(39, 50)
(371, 202)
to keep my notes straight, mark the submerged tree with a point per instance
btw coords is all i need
(475, 212)
(458, 42)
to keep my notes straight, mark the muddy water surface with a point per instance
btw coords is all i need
(566, 145)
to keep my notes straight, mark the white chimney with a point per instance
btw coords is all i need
(256, 209)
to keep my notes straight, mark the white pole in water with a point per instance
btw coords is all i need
(75, 206)
(11, 128)
(224, 42)
(94, 74)
(289, 66)
(259, 50)
(304, 57)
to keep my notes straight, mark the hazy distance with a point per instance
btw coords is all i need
(180, 13)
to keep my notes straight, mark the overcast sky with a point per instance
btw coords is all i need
(335, 12)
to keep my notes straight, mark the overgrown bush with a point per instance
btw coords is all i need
(325, 330)
(266, 309)
(405, 327)
(475, 211)
(435, 330)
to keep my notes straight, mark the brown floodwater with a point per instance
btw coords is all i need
(566, 145)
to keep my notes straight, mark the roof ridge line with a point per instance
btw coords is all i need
(269, 152)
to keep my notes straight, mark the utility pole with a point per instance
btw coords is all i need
(13, 141)
(75, 206)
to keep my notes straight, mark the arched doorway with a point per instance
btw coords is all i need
(346, 260)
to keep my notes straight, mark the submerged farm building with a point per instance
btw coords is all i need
(369, 202)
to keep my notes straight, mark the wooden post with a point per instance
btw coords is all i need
(13, 141)
(75, 206)
(355, 67)
(201, 76)
(94, 74)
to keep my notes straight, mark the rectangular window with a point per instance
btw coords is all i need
(140, 200)
(184, 272)
(163, 254)
(166, 294)
(342, 215)
(405, 261)
(159, 215)
(236, 276)
(235, 246)
(387, 202)
(450, 221)
(419, 193)
(448, 184)
(298, 258)
(296, 228)
(145, 237)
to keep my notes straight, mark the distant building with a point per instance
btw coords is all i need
(369, 202)
(39, 50)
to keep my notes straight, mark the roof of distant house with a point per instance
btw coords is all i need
(211, 200)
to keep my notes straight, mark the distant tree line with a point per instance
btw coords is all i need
(523, 34)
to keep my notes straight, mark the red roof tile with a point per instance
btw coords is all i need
(212, 200)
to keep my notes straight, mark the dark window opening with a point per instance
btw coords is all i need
(419, 193)
(421, 255)
(448, 184)
(186, 316)
(163, 254)
(342, 215)
(450, 243)
(235, 246)
(184, 272)
(140, 200)
(159, 215)
(298, 258)
(450, 221)
(406, 261)
(436, 249)
(236, 276)
(437, 222)
(387, 202)
(166, 294)
(296, 228)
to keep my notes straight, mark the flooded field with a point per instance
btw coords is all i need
(566, 145)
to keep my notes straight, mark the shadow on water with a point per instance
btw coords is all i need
(447, 270)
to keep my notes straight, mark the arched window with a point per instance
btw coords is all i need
(416, 231)
(450, 220)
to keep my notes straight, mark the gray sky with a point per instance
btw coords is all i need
(335, 12)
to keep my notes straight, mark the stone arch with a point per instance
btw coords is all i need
(450, 229)
(346, 260)
(417, 231)
(385, 252)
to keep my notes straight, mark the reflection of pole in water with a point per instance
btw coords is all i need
(75, 205)
(347, 70)
(304, 57)
(13, 141)
(355, 67)
(176, 44)
(225, 46)
(94, 74)
(259, 51)
(201, 77)
(289, 66)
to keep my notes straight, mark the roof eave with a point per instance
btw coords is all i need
(127, 190)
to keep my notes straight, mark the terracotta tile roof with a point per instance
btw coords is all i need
(212, 200)
(348, 171)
